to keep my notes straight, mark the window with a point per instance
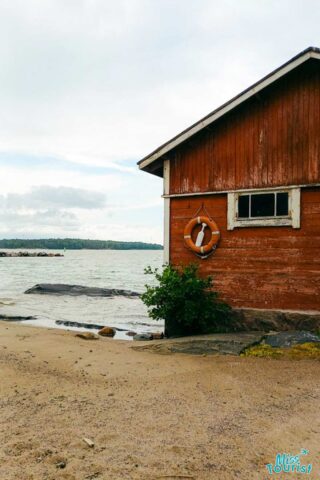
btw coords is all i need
(255, 205)
(264, 208)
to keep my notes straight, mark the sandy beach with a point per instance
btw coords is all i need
(150, 416)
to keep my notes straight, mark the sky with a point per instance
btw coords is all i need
(89, 87)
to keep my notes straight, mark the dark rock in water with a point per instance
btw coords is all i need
(30, 254)
(13, 318)
(288, 339)
(142, 336)
(89, 326)
(76, 290)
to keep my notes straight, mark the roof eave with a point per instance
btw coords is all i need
(311, 52)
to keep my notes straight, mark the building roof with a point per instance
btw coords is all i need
(152, 163)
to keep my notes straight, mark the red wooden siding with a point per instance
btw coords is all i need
(271, 140)
(266, 267)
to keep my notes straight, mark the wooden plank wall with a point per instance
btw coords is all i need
(271, 140)
(268, 267)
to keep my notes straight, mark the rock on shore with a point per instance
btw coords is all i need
(76, 290)
(289, 339)
(107, 332)
(16, 318)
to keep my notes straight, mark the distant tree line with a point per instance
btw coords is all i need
(77, 244)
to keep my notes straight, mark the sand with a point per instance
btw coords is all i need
(150, 416)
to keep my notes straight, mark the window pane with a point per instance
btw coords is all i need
(262, 205)
(282, 203)
(243, 206)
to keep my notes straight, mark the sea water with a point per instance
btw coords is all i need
(123, 269)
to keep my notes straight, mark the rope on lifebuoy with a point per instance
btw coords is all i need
(215, 236)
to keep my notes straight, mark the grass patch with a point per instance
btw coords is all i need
(305, 350)
(296, 352)
(262, 351)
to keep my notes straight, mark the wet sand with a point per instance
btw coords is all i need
(150, 416)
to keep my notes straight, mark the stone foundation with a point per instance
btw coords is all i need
(248, 319)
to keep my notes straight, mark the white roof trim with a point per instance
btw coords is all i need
(229, 106)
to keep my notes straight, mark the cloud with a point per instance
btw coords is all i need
(32, 225)
(48, 197)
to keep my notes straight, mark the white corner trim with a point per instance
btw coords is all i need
(166, 225)
(295, 207)
(166, 177)
(231, 210)
(166, 231)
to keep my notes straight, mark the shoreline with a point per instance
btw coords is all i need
(71, 326)
(149, 415)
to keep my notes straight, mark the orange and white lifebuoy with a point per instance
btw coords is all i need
(215, 235)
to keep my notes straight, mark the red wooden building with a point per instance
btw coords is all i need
(253, 167)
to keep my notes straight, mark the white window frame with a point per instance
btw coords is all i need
(292, 219)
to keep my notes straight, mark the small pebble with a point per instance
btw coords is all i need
(89, 442)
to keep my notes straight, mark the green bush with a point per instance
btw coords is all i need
(186, 302)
